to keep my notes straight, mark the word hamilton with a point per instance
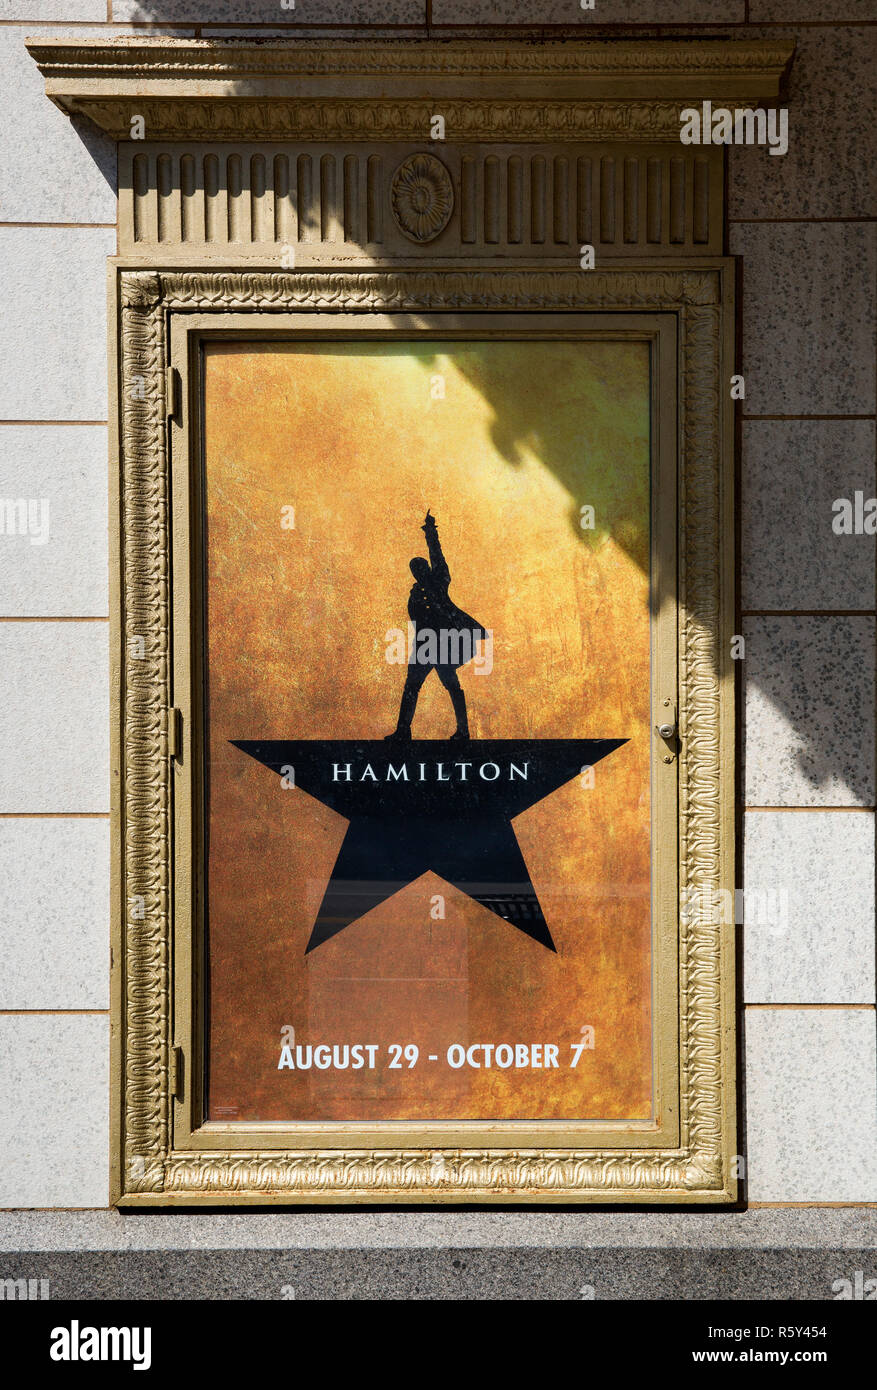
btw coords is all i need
(430, 772)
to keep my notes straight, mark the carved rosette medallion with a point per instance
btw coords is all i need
(422, 197)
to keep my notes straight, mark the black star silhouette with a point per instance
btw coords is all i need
(427, 805)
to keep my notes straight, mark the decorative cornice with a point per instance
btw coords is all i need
(199, 89)
(465, 120)
(581, 59)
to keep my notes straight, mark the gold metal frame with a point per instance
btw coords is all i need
(188, 335)
(163, 1155)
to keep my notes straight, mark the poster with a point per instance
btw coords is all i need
(427, 796)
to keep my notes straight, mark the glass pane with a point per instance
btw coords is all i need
(427, 801)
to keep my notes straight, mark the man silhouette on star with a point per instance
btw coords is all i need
(444, 636)
(454, 819)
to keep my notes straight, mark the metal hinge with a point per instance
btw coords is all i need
(176, 1073)
(173, 392)
(174, 733)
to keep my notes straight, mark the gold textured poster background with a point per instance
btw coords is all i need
(505, 442)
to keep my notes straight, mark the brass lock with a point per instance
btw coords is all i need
(668, 730)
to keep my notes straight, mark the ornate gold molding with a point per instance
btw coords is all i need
(150, 1170)
(370, 119)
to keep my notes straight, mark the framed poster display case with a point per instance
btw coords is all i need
(422, 468)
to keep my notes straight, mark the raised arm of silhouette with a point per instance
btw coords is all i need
(441, 575)
(444, 636)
